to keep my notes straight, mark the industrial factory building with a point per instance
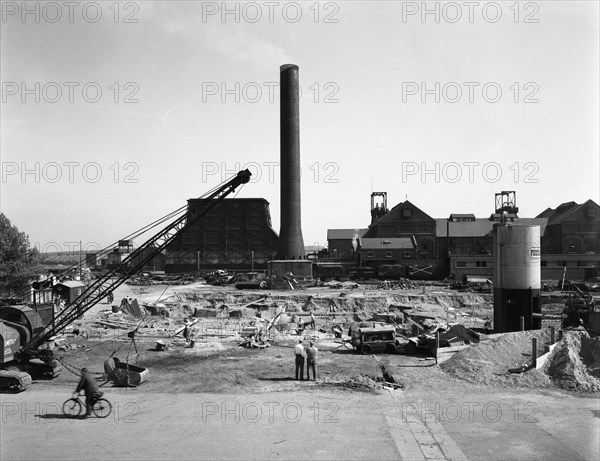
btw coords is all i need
(572, 228)
(342, 243)
(235, 234)
(406, 220)
(463, 244)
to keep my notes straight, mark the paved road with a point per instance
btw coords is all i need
(313, 424)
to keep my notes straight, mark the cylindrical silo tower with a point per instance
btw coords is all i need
(517, 278)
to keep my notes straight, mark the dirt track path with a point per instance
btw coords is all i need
(311, 424)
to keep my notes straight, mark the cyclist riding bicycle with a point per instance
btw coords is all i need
(90, 387)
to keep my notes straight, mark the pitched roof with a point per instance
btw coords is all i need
(481, 226)
(497, 217)
(72, 284)
(562, 211)
(546, 213)
(344, 234)
(390, 215)
(469, 216)
(567, 209)
(385, 243)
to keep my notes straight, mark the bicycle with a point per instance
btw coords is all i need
(74, 406)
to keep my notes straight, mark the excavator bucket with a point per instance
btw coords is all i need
(123, 374)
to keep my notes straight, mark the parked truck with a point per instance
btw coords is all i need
(369, 340)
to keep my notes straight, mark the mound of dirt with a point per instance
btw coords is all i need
(488, 362)
(358, 383)
(464, 334)
(575, 362)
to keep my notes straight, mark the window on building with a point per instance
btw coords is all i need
(43, 297)
(460, 264)
(544, 263)
(388, 254)
(369, 254)
(407, 213)
(481, 264)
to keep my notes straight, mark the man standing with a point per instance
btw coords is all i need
(312, 321)
(56, 302)
(311, 361)
(337, 331)
(300, 354)
(186, 332)
(90, 387)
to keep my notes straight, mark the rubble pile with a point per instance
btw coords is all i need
(345, 299)
(575, 362)
(358, 383)
(401, 284)
(160, 279)
(334, 284)
(488, 361)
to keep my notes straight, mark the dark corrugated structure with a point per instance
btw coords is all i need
(236, 234)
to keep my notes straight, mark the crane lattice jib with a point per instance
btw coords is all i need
(136, 261)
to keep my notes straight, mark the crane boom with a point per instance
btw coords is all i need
(134, 262)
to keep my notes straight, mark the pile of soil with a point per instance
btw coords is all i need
(488, 362)
(575, 362)
(459, 331)
(358, 383)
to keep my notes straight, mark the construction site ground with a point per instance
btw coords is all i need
(220, 401)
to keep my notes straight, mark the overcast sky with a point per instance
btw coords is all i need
(115, 114)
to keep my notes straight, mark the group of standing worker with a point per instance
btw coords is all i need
(310, 354)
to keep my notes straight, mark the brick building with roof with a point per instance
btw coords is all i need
(462, 244)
